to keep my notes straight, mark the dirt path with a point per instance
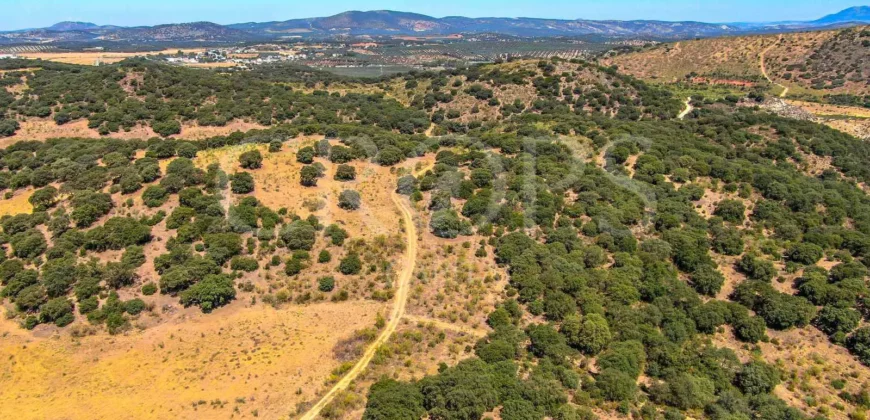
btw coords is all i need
(689, 108)
(764, 68)
(400, 302)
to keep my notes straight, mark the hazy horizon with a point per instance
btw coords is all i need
(30, 14)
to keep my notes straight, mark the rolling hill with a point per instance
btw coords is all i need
(852, 14)
(593, 254)
(389, 22)
(386, 22)
(818, 63)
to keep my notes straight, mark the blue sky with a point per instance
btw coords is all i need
(20, 14)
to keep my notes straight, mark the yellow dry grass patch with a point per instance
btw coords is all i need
(734, 56)
(858, 128)
(831, 110)
(90, 58)
(256, 359)
(277, 185)
(17, 204)
(83, 58)
(848, 119)
(42, 129)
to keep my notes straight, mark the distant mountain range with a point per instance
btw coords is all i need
(852, 14)
(386, 23)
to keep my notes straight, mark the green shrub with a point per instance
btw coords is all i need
(349, 200)
(351, 264)
(326, 284)
(134, 306)
(58, 311)
(251, 159)
(149, 289)
(242, 183)
(246, 264)
(210, 293)
(345, 173)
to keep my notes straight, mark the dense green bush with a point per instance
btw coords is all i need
(350, 264)
(309, 174)
(242, 183)
(305, 155)
(247, 264)
(730, 210)
(445, 224)
(298, 235)
(210, 293)
(155, 196)
(345, 173)
(326, 284)
(251, 159)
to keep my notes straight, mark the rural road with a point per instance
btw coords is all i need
(399, 304)
(764, 68)
(689, 108)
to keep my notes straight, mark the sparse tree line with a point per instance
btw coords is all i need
(138, 92)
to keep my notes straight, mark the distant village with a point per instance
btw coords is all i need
(360, 53)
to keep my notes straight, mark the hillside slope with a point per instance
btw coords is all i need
(568, 248)
(819, 63)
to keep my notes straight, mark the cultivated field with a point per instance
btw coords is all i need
(90, 58)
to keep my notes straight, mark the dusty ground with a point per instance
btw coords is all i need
(831, 110)
(256, 360)
(45, 128)
(735, 57)
(740, 58)
(244, 360)
(277, 186)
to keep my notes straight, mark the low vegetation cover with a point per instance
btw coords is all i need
(823, 66)
(630, 238)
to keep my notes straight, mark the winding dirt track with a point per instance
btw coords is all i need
(689, 108)
(764, 68)
(399, 304)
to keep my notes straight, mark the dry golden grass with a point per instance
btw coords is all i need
(277, 186)
(90, 58)
(809, 362)
(42, 129)
(736, 57)
(254, 359)
(848, 119)
(83, 58)
(740, 58)
(17, 204)
(831, 110)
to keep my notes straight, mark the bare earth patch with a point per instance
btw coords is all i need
(42, 129)
(257, 359)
